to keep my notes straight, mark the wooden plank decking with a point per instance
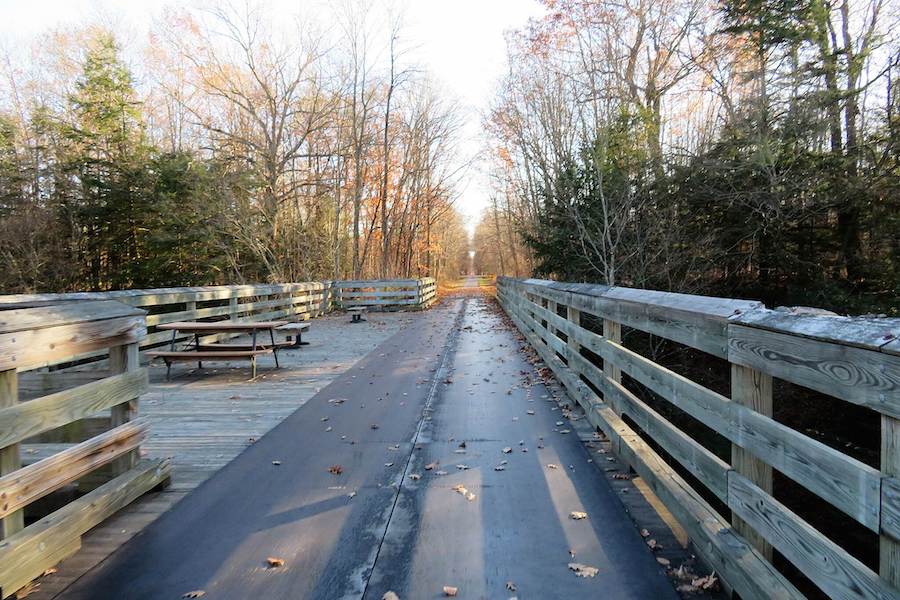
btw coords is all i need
(203, 419)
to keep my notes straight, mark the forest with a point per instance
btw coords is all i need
(745, 148)
(228, 148)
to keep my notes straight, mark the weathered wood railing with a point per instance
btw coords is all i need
(856, 360)
(228, 302)
(386, 293)
(29, 338)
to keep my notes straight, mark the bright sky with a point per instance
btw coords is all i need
(460, 41)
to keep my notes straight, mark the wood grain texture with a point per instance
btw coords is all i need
(839, 479)
(27, 419)
(25, 485)
(752, 390)
(30, 552)
(10, 459)
(864, 377)
(828, 565)
(38, 347)
(889, 542)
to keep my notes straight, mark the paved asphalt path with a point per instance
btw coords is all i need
(387, 522)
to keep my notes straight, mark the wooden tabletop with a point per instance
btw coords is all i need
(196, 326)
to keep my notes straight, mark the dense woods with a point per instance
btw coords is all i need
(229, 146)
(743, 148)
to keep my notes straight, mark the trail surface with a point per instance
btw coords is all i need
(358, 490)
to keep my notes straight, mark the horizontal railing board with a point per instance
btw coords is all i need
(826, 564)
(31, 418)
(865, 377)
(23, 486)
(872, 333)
(703, 331)
(28, 553)
(844, 482)
(167, 295)
(35, 348)
(43, 317)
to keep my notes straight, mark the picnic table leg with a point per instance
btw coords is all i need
(168, 369)
(197, 346)
(253, 367)
(274, 348)
(172, 345)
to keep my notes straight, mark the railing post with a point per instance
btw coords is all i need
(753, 389)
(889, 548)
(122, 359)
(573, 315)
(232, 308)
(553, 307)
(10, 459)
(612, 331)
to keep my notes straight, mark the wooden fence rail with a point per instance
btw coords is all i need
(856, 360)
(29, 338)
(290, 301)
(386, 293)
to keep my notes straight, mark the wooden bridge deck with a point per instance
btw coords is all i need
(439, 460)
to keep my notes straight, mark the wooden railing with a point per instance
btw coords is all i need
(385, 293)
(855, 360)
(107, 464)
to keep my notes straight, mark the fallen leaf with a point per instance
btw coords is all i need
(552, 466)
(335, 469)
(194, 594)
(510, 586)
(49, 571)
(390, 596)
(653, 545)
(274, 563)
(663, 561)
(499, 468)
(530, 412)
(276, 462)
(415, 476)
(431, 466)
(621, 476)
(462, 467)
(577, 515)
(449, 590)
(583, 570)
(645, 533)
(373, 426)
(390, 464)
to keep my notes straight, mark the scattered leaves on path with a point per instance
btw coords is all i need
(583, 570)
(461, 489)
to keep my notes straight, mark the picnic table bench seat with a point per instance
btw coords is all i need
(297, 329)
(170, 356)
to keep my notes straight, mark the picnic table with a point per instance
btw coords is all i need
(219, 351)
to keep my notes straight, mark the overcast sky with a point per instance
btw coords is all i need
(460, 41)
